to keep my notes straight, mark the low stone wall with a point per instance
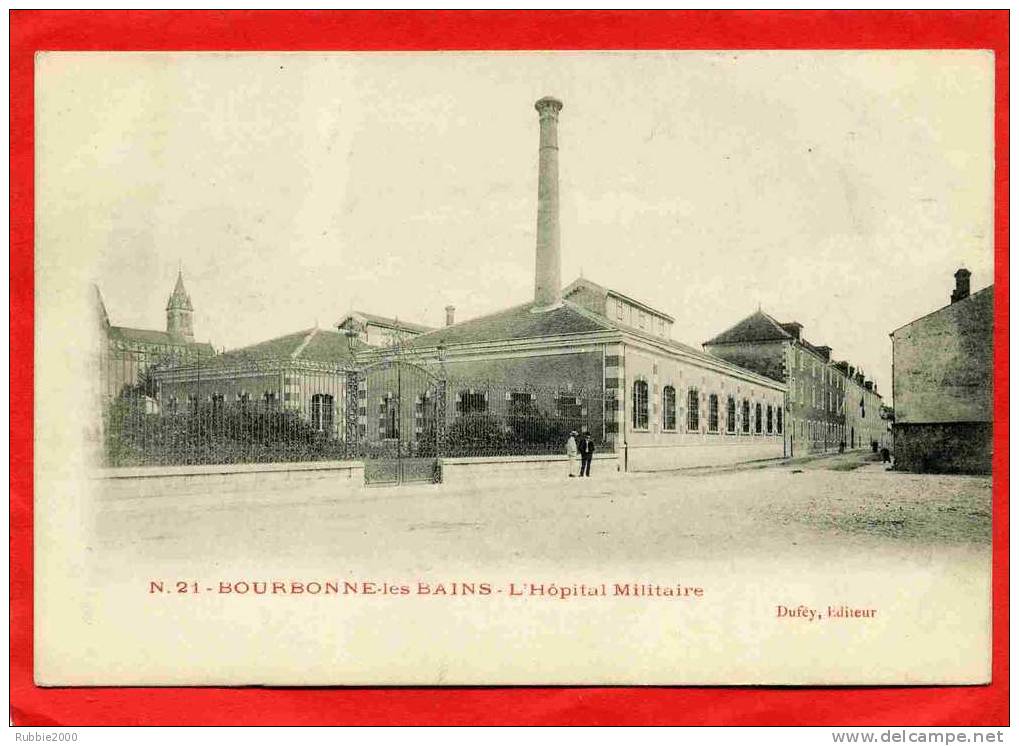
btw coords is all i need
(657, 457)
(491, 468)
(943, 448)
(160, 481)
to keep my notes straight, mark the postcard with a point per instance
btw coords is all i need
(501, 368)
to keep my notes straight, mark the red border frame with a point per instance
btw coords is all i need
(32, 31)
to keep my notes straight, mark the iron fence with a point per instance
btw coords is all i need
(172, 409)
(176, 409)
(506, 419)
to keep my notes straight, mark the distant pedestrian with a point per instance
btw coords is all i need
(886, 456)
(842, 446)
(571, 452)
(586, 453)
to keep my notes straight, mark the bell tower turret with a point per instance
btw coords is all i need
(179, 312)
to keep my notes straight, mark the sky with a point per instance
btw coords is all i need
(838, 189)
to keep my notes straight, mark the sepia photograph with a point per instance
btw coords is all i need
(505, 368)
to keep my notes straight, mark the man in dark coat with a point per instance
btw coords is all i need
(586, 453)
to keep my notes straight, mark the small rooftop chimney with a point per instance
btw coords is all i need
(825, 351)
(961, 291)
(450, 310)
(548, 292)
(793, 327)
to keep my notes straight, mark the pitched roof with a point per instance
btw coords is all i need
(315, 345)
(982, 294)
(518, 322)
(154, 337)
(757, 327)
(100, 306)
(605, 292)
(386, 322)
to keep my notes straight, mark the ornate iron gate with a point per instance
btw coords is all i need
(401, 421)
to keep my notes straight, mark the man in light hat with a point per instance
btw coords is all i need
(571, 452)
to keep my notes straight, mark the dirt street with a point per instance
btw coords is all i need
(835, 506)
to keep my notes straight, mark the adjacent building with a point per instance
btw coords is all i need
(303, 373)
(380, 331)
(828, 404)
(125, 353)
(942, 372)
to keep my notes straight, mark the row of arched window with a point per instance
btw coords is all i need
(753, 417)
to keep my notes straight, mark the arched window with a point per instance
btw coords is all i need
(778, 419)
(713, 413)
(745, 418)
(640, 405)
(668, 408)
(322, 412)
(757, 418)
(693, 410)
(730, 415)
(771, 420)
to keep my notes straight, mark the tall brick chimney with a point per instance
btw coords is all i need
(548, 293)
(961, 291)
(450, 310)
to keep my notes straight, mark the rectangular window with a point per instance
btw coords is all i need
(619, 309)
(730, 415)
(570, 411)
(472, 402)
(519, 404)
(322, 412)
(643, 319)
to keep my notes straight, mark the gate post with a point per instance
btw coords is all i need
(352, 379)
(440, 417)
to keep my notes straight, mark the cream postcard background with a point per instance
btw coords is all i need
(400, 182)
